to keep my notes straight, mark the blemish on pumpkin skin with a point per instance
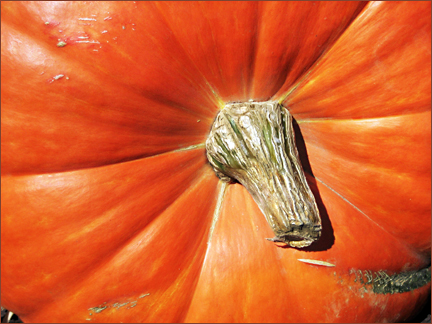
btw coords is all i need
(87, 19)
(55, 78)
(97, 309)
(379, 282)
(116, 306)
(133, 304)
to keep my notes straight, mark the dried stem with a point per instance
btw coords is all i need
(254, 144)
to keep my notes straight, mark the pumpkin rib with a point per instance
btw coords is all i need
(281, 97)
(199, 175)
(321, 45)
(203, 174)
(407, 245)
(65, 54)
(93, 112)
(199, 145)
(391, 132)
(121, 261)
(90, 68)
(342, 120)
(85, 193)
(212, 89)
(382, 171)
(173, 31)
(242, 93)
(217, 61)
(397, 58)
(254, 51)
(95, 121)
(347, 231)
(228, 64)
(253, 257)
(231, 227)
(217, 210)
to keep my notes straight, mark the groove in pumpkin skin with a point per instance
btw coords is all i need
(192, 147)
(244, 91)
(228, 230)
(201, 6)
(282, 97)
(183, 149)
(337, 89)
(218, 99)
(249, 84)
(375, 172)
(408, 246)
(217, 210)
(350, 120)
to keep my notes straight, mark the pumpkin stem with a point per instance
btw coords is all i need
(254, 144)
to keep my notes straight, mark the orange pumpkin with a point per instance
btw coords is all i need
(110, 211)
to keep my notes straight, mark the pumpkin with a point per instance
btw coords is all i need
(110, 211)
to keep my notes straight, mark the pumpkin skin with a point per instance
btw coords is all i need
(106, 192)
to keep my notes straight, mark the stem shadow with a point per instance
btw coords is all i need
(327, 238)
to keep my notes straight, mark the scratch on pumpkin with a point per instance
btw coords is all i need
(317, 262)
(100, 308)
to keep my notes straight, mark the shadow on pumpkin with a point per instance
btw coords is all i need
(327, 235)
